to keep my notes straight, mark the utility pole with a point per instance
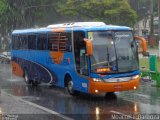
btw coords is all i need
(151, 24)
(159, 27)
(159, 19)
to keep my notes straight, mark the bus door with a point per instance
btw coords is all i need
(80, 53)
(81, 61)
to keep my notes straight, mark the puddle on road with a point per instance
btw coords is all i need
(13, 80)
(146, 94)
(30, 98)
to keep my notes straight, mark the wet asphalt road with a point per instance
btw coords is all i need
(48, 102)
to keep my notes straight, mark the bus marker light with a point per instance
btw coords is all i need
(134, 87)
(96, 91)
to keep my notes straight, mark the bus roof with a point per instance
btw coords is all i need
(77, 26)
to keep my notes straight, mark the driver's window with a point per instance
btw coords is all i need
(80, 53)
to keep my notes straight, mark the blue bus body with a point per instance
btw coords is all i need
(55, 66)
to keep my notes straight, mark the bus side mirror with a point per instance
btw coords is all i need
(88, 46)
(143, 44)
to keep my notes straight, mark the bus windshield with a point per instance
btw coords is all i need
(115, 50)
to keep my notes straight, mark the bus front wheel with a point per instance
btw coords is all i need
(70, 89)
(110, 96)
(26, 77)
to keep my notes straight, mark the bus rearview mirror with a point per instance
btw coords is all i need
(88, 47)
(143, 43)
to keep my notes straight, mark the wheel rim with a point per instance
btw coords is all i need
(70, 87)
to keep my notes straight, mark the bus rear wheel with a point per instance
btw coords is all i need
(35, 83)
(26, 77)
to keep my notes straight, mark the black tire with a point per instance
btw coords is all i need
(26, 77)
(70, 85)
(110, 96)
(35, 83)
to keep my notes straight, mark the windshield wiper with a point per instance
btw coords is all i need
(108, 56)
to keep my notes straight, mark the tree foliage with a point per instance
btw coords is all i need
(3, 6)
(17, 14)
(145, 7)
(20, 14)
(110, 11)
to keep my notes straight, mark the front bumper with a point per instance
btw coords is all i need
(101, 87)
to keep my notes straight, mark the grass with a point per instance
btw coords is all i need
(153, 47)
(144, 62)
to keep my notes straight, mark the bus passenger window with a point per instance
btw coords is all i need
(32, 42)
(53, 42)
(41, 42)
(65, 43)
(15, 40)
(60, 42)
(22, 42)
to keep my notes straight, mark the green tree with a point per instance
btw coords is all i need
(3, 6)
(144, 7)
(17, 14)
(20, 14)
(110, 11)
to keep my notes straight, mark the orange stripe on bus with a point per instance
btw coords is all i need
(16, 69)
(59, 29)
(57, 57)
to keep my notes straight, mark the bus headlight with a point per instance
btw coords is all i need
(97, 80)
(135, 77)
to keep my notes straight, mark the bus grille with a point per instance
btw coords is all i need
(124, 79)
